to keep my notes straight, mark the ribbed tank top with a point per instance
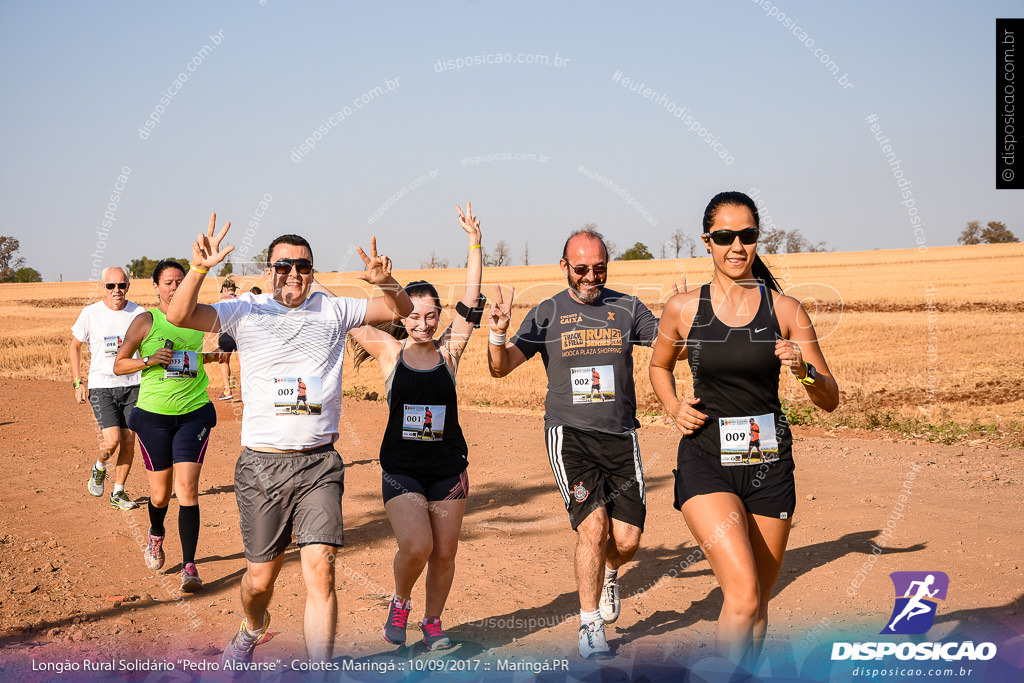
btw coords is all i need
(735, 370)
(423, 438)
(172, 395)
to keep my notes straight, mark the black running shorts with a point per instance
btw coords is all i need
(112, 406)
(594, 469)
(768, 489)
(283, 493)
(168, 439)
(449, 488)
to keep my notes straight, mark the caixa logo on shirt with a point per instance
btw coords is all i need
(913, 613)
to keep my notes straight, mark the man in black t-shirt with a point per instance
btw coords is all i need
(585, 336)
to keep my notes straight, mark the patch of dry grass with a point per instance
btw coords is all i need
(870, 309)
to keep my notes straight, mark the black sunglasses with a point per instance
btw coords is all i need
(284, 266)
(582, 270)
(119, 285)
(724, 238)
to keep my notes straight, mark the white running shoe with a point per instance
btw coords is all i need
(96, 478)
(610, 604)
(593, 644)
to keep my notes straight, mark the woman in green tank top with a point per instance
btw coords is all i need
(173, 418)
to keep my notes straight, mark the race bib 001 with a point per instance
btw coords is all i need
(111, 345)
(593, 384)
(184, 364)
(297, 396)
(748, 440)
(422, 423)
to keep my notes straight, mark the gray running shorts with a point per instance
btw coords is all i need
(282, 493)
(111, 406)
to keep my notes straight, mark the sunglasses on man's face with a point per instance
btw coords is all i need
(724, 238)
(119, 285)
(582, 270)
(284, 266)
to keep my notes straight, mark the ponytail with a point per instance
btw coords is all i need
(759, 269)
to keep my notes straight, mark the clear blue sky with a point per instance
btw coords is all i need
(79, 79)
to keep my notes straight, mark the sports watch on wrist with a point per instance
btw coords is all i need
(76, 382)
(145, 361)
(474, 314)
(811, 375)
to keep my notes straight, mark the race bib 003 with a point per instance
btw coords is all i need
(297, 396)
(422, 423)
(184, 364)
(593, 384)
(111, 345)
(748, 440)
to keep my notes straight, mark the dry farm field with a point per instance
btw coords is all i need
(926, 344)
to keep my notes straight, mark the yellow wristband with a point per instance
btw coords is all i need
(474, 246)
(198, 269)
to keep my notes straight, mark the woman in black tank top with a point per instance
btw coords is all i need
(735, 332)
(423, 453)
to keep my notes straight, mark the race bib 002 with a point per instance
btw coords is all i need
(184, 364)
(297, 396)
(593, 384)
(748, 440)
(422, 423)
(111, 345)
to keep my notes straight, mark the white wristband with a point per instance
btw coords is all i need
(497, 339)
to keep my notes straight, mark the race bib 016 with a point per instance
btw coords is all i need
(297, 396)
(422, 423)
(111, 345)
(184, 364)
(748, 440)
(593, 384)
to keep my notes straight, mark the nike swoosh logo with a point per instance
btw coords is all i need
(760, 330)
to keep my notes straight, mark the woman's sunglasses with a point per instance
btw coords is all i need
(119, 285)
(724, 238)
(284, 266)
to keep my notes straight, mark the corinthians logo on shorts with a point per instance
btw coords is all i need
(916, 596)
(580, 492)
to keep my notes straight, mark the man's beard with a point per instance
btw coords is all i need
(587, 298)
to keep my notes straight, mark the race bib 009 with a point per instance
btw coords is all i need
(184, 364)
(422, 423)
(297, 396)
(748, 440)
(593, 384)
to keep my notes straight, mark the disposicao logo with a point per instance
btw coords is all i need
(916, 596)
(913, 613)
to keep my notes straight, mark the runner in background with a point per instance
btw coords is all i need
(173, 418)
(102, 326)
(227, 343)
(423, 454)
(735, 332)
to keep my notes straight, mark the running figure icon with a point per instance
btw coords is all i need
(915, 606)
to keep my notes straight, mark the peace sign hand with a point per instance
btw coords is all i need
(206, 251)
(470, 223)
(500, 314)
(378, 268)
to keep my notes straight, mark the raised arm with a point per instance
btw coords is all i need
(394, 302)
(456, 337)
(185, 309)
(502, 356)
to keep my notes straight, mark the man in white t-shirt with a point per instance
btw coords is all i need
(289, 478)
(102, 326)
